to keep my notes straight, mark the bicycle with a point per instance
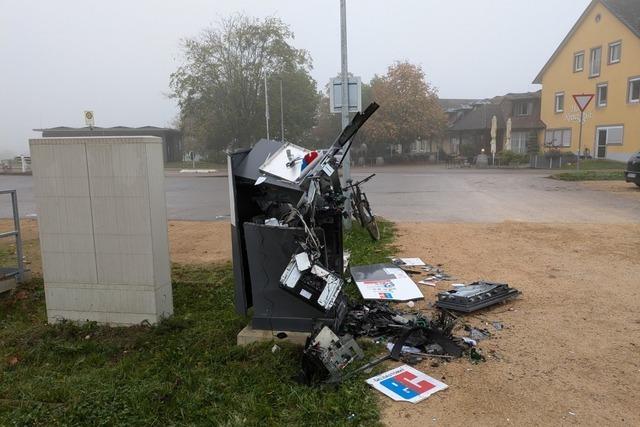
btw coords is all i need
(361, 209)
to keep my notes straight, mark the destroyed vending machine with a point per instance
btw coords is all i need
(286, 228)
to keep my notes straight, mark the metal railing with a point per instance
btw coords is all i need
(19, 272)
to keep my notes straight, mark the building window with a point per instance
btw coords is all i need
(559, 104)
(634, 90)
(523, 109)
(557, 138)
(596, 58)
(610, 135)
(602, 91)
(578, 62)
(519, 142)
(615, 52)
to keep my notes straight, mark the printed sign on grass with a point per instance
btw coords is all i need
(406, 384)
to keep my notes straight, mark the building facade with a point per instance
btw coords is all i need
(599, 56)
(469, 123)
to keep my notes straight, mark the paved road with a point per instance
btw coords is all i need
(432, 194)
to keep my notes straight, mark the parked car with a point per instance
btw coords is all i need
(632, 174)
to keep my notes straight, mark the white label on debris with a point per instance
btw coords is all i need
(406, 384)
(412, 262)
(302, 260)
(305, 293)
(328, 169)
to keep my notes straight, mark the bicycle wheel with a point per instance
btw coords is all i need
(369, 220)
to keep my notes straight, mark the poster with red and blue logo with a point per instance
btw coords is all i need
(406, 384)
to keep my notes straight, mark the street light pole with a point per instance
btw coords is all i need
(346, 163)
(281, 114)
(266, 103)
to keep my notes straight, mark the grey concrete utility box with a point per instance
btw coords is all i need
(103, 228)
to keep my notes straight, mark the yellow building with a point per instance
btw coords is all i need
(600, 56)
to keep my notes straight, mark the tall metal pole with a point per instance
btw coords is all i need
(580, 140)
(266, 103)
(281, 114)
(346, 164)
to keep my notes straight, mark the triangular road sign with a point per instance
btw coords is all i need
(583, 100)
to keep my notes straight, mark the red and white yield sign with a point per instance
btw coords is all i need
(583, 100)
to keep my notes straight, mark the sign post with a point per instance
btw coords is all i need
(583, 101)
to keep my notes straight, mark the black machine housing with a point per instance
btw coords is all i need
(262, 248)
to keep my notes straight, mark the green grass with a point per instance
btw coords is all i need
(185, 371)
(600, 164)
(590, 175)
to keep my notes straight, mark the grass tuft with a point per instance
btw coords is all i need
(589, 175)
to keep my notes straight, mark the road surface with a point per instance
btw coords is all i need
(425, 193)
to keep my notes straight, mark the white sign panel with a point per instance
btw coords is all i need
(405, 384)
(89, 119)
(355, 95)
(385, 282)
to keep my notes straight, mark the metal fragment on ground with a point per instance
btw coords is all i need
(475, 296)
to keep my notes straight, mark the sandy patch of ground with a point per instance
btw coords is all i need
(620, 187)
(199, 242)
(190, 242)
(570, 353)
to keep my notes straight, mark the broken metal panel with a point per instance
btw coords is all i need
(314, 285)
(326, 356)
(475, 296)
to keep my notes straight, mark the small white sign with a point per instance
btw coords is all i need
(406, 384)
(354, 95)
(89, 118)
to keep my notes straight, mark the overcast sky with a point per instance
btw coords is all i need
(59, 58)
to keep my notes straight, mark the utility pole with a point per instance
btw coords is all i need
(281, 114)
(266, 103)
(346, 163)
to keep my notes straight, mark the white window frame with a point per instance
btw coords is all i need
(528, 108)
(592, 62)
(577, 69)
(608, 128)
(555, 102)
(630, 90)
(599, 102)
(522, 139)
(560, 132)
(611, 46)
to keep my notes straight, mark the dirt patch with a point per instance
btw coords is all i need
(620, 187)
(190, 242)
(570, 350)
(199, 242)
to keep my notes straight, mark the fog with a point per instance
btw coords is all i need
(59, 58)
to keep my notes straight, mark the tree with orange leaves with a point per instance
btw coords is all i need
(409, 108)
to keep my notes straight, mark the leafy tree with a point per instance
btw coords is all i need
(220, 86)
(409, 108)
